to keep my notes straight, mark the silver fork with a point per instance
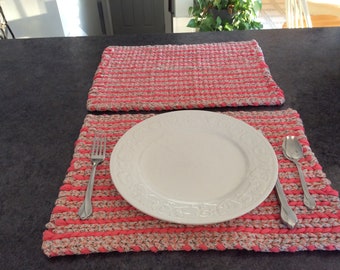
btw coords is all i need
(97, 156)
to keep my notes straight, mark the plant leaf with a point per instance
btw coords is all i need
(218, 21)
(192, 23)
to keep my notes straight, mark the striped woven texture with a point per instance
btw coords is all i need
(165, 77)
(117, 226)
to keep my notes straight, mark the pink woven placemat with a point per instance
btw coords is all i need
(117, 226)
(165, 77)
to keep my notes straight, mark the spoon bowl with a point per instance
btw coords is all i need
(292, 150)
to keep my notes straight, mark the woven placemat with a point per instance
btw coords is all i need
(117, 226)
(165, 77)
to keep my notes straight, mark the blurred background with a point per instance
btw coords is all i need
(55, 18)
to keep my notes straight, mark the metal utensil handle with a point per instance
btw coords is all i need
(308, 199)
(86, 208)
(287, 214)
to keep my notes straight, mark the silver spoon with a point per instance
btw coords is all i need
(292, 150)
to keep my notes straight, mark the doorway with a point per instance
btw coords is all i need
(137, 16)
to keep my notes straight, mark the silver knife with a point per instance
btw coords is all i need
(288, 216)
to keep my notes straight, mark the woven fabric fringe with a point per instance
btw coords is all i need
(166, 77)
(117, 226)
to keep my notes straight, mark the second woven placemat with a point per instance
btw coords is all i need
(117, 226)
(166, 77)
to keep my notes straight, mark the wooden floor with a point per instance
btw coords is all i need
(273, 14)
(325, 20)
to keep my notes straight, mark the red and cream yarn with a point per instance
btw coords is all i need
(117, 226)
(166, 77)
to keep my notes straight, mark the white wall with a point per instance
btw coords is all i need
(89, 17)
(181, 16)
(33, 18)
(79, 17)
(182, 7)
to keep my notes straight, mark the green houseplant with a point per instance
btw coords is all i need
(225, 15)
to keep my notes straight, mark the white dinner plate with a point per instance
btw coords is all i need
(193, 167)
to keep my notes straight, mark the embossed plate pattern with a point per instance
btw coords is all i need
(193, 167)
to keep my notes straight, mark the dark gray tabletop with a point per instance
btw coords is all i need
(43, 89)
